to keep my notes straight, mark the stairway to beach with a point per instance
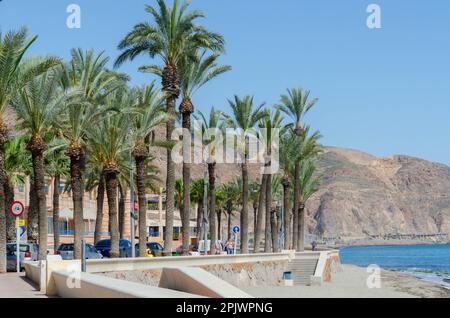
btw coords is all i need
(302, 269)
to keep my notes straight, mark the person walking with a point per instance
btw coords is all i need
(229, 247)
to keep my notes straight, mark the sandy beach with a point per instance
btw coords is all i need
(352, 283)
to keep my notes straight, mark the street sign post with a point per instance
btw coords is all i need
(17, 208)
(236, 231)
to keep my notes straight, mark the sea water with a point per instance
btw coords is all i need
(427, 262)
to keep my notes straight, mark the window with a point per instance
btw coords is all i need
(153, 231)
(21, 188)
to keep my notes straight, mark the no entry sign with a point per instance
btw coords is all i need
(16, 208)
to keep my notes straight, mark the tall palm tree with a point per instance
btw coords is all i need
(296, 104)
(96, 180)
(17, 167)
(195, 72)
(232, 198)
(37, 105)
(108, 140)
(309, 150)
(208, 128)
(269, 123)
(197, 195)
(85, 72)
(147, 115)
(172, 36)
(255, 189)
(13, 46)
(245, 118)
(57, 166)
(288, 151)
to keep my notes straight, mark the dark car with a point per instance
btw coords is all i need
(153, 248)
(104, 247)
(66, 252)
(28, 252)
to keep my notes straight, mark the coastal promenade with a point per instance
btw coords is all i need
(13, 285)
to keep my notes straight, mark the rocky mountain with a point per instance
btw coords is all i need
(364, 196)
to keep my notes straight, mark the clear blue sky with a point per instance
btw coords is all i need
(381, 91)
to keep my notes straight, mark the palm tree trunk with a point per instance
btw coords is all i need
(111, 192)
(37, 149)
(244, 213)
(287, 215)
(142, 202)
(121, 212)
(170, 181)
(32, 217)
(301, 228)
(274, 231)
(219, 224)
(261, 214)
(171, 86)
(77, 169)
(10, 222)
(230, 214)
(56, 234)
(100, 200)
(212, 206)
(186, 206)
(2, 204)
(267, 245)
(199, 220)
(296, 204)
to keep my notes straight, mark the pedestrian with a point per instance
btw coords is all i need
(314, 245)
(230, 247)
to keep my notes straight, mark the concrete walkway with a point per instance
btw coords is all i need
(13, 285)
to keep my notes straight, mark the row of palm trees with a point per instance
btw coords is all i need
(80, 121)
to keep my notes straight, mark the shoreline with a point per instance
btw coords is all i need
(351, 282)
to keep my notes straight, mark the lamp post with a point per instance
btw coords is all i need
(205, 211)
(132, 213)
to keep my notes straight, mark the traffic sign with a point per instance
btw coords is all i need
(16, 208)
(236, 230)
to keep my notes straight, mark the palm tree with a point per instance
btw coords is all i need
(255, 189)
(309, 150)
(86, 73)
(13, 46)
(57, 166)
(96, 180)
(146, 117)
(269, 123)
(245, 117)
(172, 36)
(17, 166)
(232, 197)
(36, 104)
(197, 196)
(108, 140)
(288, 151)
(195, 72)
(296, 104)
(208, 129)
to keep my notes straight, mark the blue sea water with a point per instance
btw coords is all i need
(428, 262)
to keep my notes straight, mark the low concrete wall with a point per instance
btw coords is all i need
(33, 272)
(84, 285)
(199, 282)
(258, 274)
(129, 264)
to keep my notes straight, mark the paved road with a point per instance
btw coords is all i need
(13, 285)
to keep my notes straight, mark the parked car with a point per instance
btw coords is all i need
(153, 249)
(28, 252)
(104, 247)
(66, 252)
